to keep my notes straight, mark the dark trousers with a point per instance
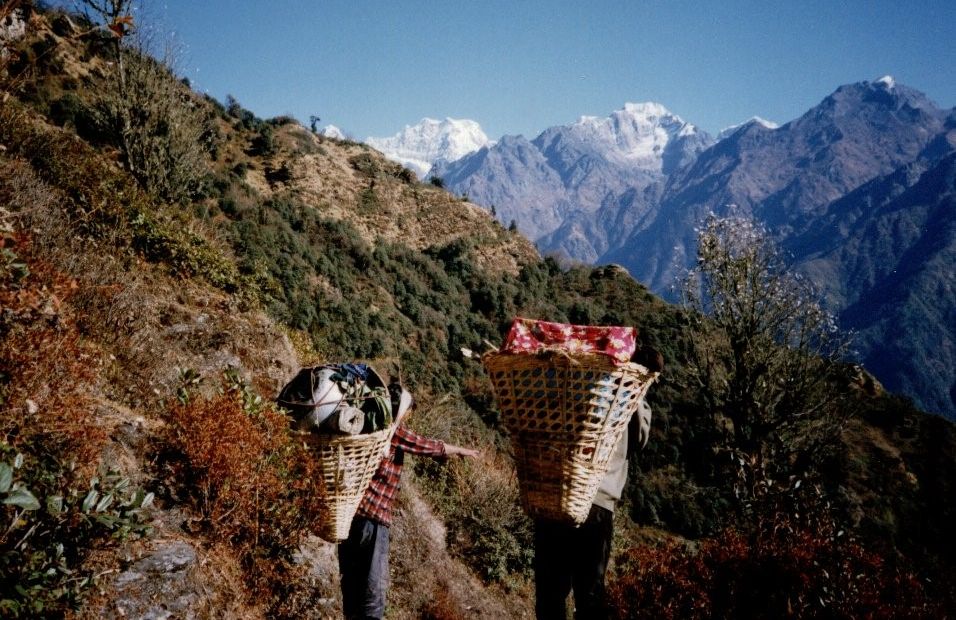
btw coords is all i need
(566, 558)
(363, 566)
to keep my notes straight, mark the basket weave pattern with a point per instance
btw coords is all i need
(565, 414)
(347, 463)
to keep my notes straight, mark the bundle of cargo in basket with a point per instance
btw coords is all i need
(344, 414)
(566, 394)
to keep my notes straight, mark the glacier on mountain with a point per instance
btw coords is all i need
(728, 131)
(430, 142)
(635, 136)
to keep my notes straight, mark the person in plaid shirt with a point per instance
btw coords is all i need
(363, 556)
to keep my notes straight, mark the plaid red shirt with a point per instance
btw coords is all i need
(383, 489)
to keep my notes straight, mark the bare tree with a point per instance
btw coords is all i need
(765, 355)
(116, 17)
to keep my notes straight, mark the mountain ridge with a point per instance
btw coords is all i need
(572, 191)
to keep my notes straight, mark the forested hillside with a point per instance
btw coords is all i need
(168, 261)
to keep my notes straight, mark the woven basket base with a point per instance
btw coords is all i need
(347, 464)
(558, 481)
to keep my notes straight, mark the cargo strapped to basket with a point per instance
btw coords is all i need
(565, 409)
(533, 336)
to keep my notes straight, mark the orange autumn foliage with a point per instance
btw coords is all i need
(251, 484)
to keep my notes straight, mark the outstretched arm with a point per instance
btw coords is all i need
(453, 450)
(413, 443)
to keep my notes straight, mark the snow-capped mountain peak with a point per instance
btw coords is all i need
(331, 131)
(636, 134)
(431, 141)
(887, 81)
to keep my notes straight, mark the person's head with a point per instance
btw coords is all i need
(649, 358)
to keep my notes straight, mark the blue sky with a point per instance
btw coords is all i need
(371, 67)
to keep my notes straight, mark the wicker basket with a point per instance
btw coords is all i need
(565, 414)
(347, 463)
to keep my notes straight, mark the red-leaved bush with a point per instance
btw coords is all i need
(251, 484)
(778, 570)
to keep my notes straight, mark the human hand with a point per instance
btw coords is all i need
(453, 450)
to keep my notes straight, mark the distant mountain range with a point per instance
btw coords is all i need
(555, 185)
(859, 191)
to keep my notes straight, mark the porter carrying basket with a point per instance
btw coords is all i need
(345, 462)
(565, 413)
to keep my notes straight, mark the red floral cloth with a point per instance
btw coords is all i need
(532, 336)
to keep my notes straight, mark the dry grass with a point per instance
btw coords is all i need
(48, 368)
(414, 214)
(429, 582)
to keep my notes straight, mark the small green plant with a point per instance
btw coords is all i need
(15, 494)
(48, 528)
(187, 380)
(369, 200)
(12, 268)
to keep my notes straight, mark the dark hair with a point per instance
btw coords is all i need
(649, 357)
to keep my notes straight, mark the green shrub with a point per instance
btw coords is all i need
(263, 143)
(50, 525)
(70, 110)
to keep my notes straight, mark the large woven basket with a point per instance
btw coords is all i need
(347, 463)
(565, 414)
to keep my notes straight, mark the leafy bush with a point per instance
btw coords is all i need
(250, 481)
(49, 525)
(263, 143)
